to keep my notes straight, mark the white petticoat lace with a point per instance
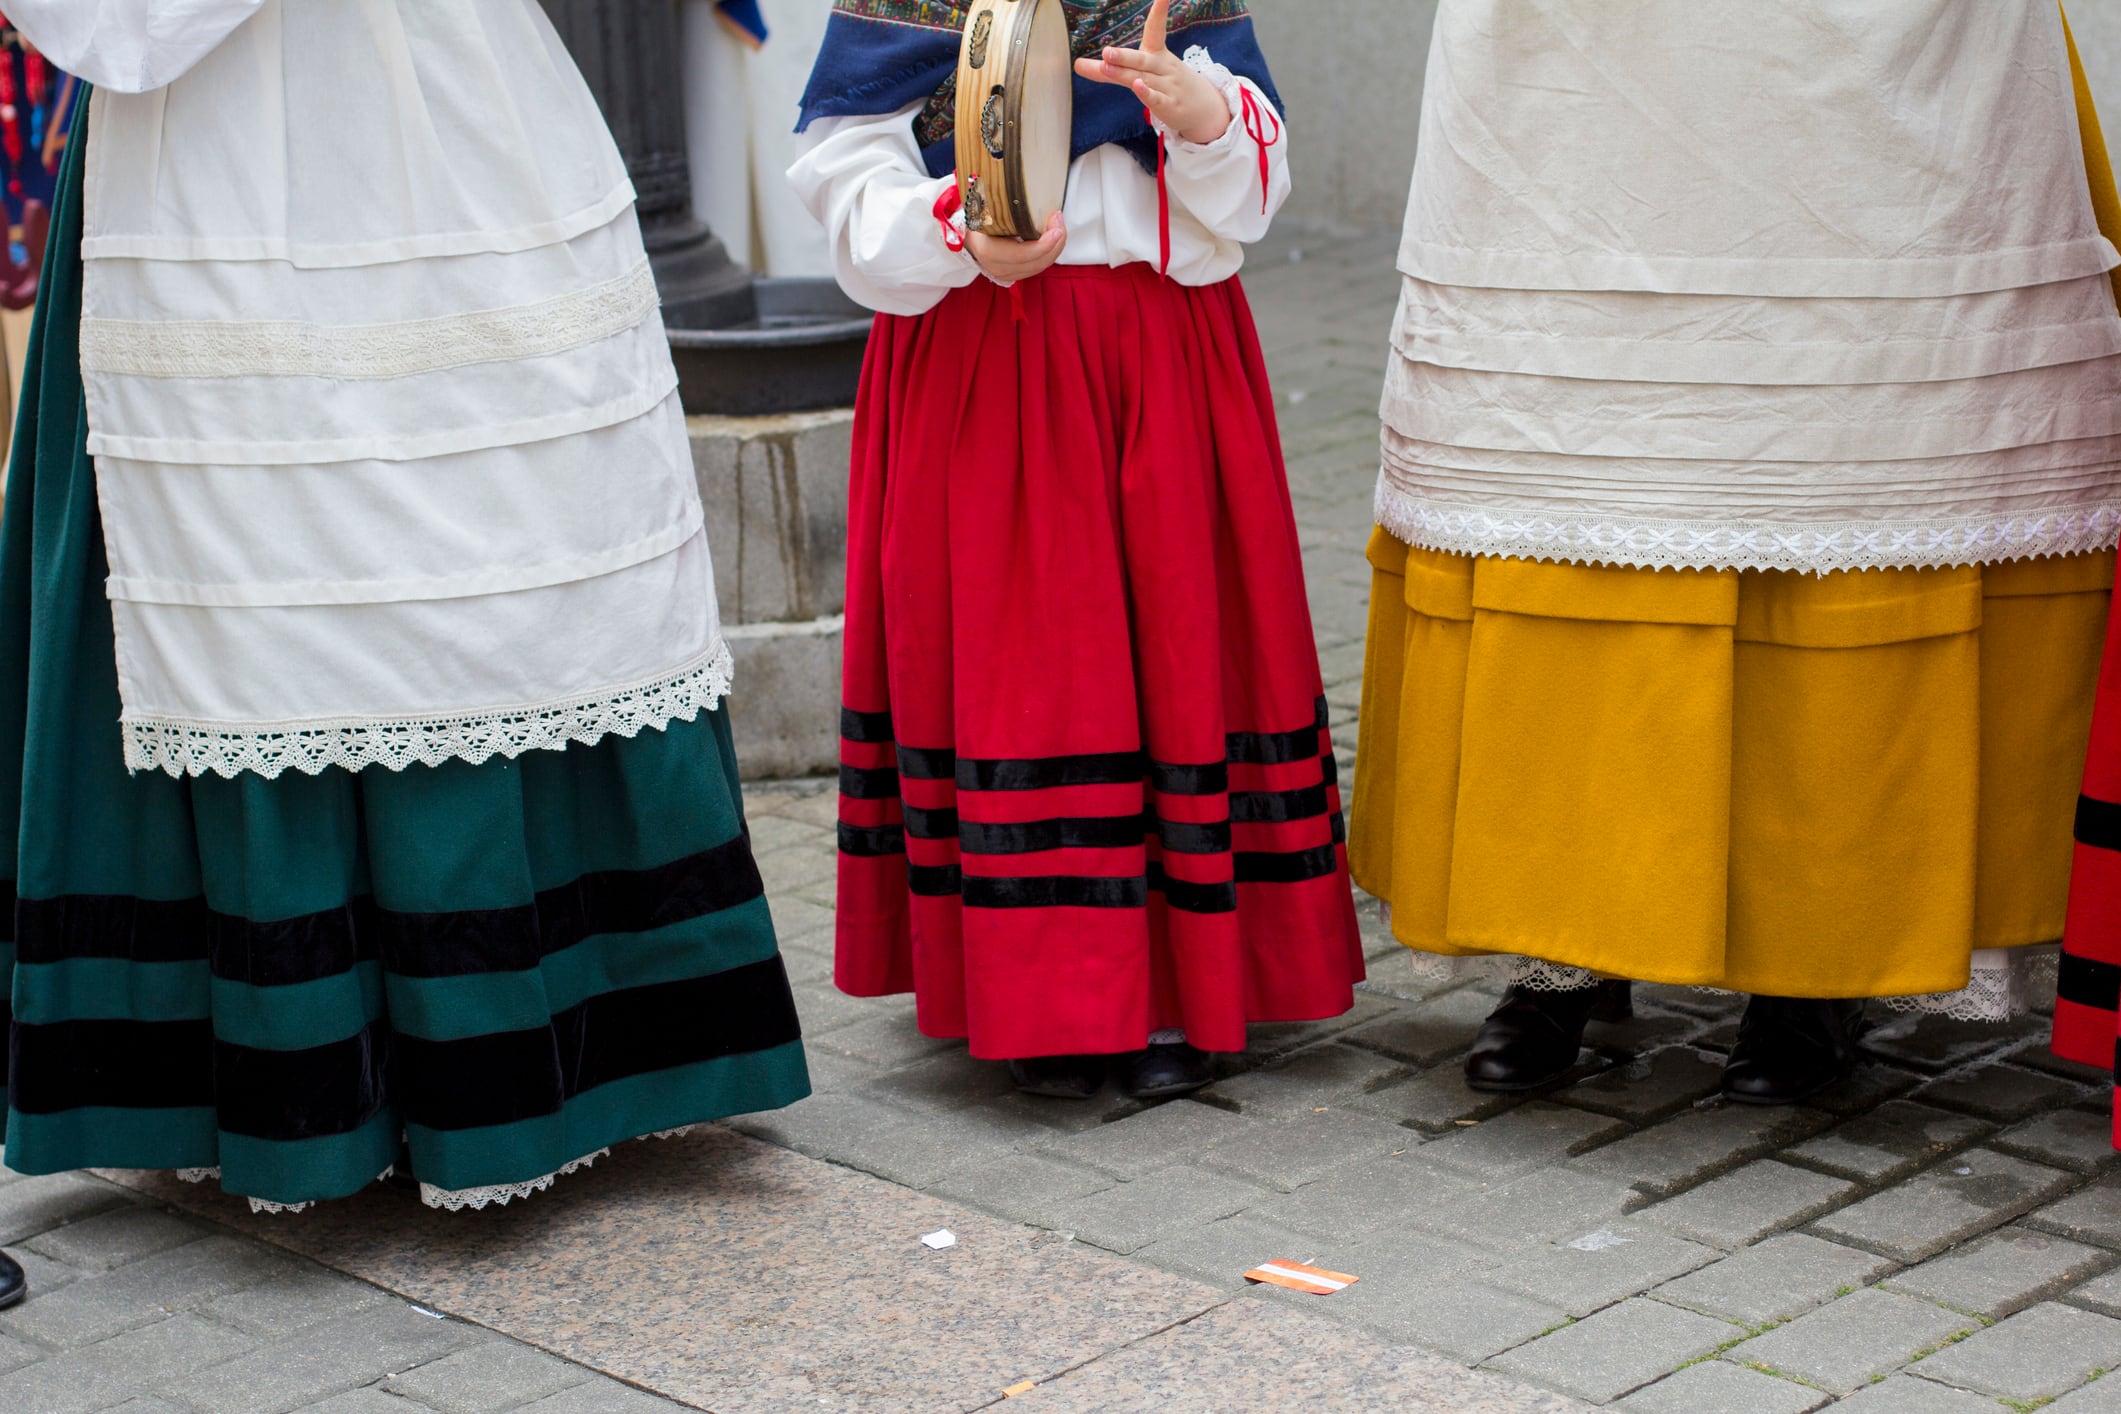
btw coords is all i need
(1433, 972)
(456, 1200)
(184, 748)
(263, 1205)
(284, 349)
(501, 1194)
(453, 1200)
(2006, 983)
(1589, 538)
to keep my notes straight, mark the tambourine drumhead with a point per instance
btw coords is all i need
(1015, 115)
(1048, 119)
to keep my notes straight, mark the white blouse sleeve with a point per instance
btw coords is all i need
(130, 46)
(1222, 183)
(865, 182)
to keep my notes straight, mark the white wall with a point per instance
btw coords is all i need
(1350, 74)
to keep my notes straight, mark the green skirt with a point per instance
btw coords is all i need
(488, 973)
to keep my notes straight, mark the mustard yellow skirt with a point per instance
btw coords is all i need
(1797, 785)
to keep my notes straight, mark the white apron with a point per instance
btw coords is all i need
(1813, 286)
(388, 446)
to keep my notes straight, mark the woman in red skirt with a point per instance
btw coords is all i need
(1089, 805)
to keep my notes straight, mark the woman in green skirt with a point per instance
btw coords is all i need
(363, 788)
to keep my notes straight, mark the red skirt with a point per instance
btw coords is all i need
(1086, 786)
(2088, 991)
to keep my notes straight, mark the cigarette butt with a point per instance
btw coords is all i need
(1016, 1389)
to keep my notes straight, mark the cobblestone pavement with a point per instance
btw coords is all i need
(148, 1311)
(1940, 1234)
(1943, 1233)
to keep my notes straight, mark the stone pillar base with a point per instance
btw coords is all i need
(785, 708)
(775, 491)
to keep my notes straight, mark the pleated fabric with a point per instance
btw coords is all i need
(485, 973)
(391, 461)
(1087, 790)
(1683, 760)
(1795, 785)
(1631, 332)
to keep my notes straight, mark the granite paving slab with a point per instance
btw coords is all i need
(2078, 1139)
(1750, 1203)
(1718, 1387)
(1459, 1316)
(1598, 1268)
(2091, 1214)
(1960, 1198)
(2000, 1092)
(1651, 1087)
(1531, 1136)
(2003, 1272)
(1776, 1280)
(1620, 1349)
(1699, 1145)
(1854, 1340)
(2101, 1294)
(777, 1282)
(1904, 1394)
(1940, 1043)
(1890, 1142)
(2101, 1396)
(2040, 1353)
(1261, 1355)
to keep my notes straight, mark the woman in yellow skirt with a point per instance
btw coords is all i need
(1751, 475)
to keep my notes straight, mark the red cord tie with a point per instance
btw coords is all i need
(1257, 116)
(946, 206)
(1163, 203)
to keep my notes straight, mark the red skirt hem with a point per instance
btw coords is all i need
(1087, 786)
(2087, 1024)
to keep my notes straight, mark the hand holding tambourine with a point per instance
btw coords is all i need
(1175, 95)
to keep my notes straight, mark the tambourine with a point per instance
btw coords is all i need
(1015, 116)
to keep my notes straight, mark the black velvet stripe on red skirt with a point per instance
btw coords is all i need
(1087, 785)
(2088, 989)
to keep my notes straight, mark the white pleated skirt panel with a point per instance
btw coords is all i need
(1805, 148)
(391, 463)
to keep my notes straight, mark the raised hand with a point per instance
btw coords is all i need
(1176, 96)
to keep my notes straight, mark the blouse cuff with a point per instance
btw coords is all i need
(1226, 83)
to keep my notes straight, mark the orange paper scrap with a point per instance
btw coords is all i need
(1298, 1277)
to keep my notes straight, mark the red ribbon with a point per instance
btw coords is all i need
(1256, 119)
(1163, 203)
(946, 206)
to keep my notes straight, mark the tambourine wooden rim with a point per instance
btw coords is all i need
(1015, 103)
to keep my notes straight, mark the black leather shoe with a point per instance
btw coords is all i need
(1790, 1049)
(1533, 1037)
(1060, 1077)
(1163, 1071)
(14, 1282)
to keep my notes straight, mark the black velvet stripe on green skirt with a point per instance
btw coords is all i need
(488, 971)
